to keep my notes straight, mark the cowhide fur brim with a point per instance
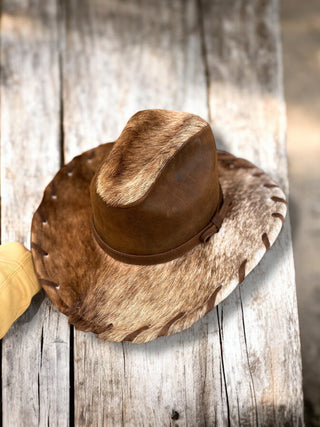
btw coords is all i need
(138, 303)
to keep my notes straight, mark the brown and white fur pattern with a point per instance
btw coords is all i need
(149, 139)
(118, 301)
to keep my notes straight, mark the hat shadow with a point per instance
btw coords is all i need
(295, 217)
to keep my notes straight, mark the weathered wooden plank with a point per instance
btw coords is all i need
(233, 365)
(35, 352)
(134, 56)
(259, 320)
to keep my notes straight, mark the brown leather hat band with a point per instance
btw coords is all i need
(202, 237)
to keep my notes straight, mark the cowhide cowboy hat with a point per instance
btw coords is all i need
(142, 237)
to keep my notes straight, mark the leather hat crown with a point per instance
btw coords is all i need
(157, 194)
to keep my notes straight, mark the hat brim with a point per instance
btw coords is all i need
(139, 303)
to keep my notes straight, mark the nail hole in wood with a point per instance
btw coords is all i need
(175, 415)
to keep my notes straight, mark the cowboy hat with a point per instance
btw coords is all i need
(142, 237)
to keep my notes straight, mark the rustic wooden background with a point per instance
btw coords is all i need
(72, 73)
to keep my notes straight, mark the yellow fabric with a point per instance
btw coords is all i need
(18, 283)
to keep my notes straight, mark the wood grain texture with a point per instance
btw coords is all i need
(231, 366)
(35, 352)
(141, 56)
(240, 364)
(244, 69)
